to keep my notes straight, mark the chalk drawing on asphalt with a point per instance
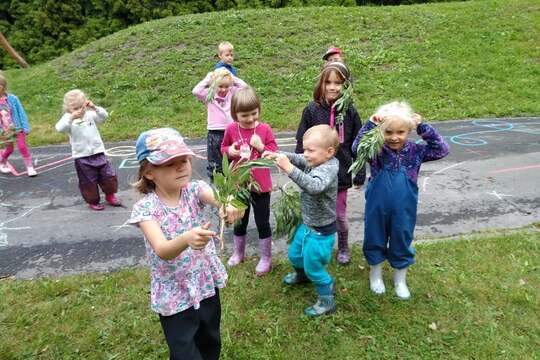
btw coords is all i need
(126, 151)
(440, 171)
(473, 138)
(40, 169)
(3, 227)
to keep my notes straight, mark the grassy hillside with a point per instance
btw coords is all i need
(450, 60)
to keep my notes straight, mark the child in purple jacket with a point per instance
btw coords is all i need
(392, 191)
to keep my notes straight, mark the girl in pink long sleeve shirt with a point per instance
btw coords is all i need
(246, 139)
(216, 91)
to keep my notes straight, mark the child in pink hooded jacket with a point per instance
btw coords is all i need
(216, 91)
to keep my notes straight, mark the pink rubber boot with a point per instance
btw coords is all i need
(265, 251)
(239, 250)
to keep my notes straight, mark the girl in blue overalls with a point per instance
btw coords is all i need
(392, 192)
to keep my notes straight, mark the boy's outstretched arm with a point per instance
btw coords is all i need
(317, 180)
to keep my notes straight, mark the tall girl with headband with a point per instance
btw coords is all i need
(246, 139)
(216, 91)
(13, 129)
(333, 80)
(186, 272)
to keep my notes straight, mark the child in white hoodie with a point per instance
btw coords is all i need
(93, 168)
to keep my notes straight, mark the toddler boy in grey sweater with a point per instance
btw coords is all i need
(316, 173)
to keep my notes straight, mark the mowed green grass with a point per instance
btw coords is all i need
(449, 60)
(473, 298)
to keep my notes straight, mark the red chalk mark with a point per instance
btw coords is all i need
(500, 171)
(16, 173)
(477, 152)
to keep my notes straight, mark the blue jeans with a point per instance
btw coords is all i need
(312, 252)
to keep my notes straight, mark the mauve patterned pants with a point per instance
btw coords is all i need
(92, 171)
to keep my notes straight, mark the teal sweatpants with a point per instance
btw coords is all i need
(312, 252)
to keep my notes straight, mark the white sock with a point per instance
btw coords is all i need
(376, 282)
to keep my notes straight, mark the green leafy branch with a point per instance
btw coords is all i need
(287, 212)
(232, 187)
(211, 92)
(370, 146)
(345, 100)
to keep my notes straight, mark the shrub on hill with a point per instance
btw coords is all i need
(44, 29)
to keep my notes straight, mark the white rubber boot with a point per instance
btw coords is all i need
(400, 284)
(376, 283)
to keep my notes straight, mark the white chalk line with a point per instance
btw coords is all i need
(426, 179)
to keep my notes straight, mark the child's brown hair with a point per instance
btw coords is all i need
(244, 100)
(340, 69)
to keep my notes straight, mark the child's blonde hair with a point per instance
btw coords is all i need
(144, 185)
(73, 97)
(244, 100)
(327, 135)
(3, 80)
(221, 74)
(396, 111)
(224, 45)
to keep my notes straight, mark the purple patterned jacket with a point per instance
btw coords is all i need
(411, 156)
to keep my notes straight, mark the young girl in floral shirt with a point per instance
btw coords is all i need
(186, 272)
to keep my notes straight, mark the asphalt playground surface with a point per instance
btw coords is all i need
(490, 180)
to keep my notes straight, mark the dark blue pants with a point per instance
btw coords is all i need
(390, 218)
(213, 152)
(194, 334)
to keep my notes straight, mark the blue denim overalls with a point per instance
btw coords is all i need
(390, 217)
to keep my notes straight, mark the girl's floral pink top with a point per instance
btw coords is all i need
(183, 282)
(6, 123)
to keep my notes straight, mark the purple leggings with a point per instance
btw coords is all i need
(341, 211)
(23, 149)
